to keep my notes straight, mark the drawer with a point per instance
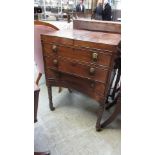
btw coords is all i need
(86, 55)
(83, 70)
(51, 62)
(84, 85)
(50, 49)
(51, 74)
(92, 56)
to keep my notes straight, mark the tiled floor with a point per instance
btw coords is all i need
(70, 129)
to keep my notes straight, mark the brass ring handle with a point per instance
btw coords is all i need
(94, 56)
(54, 48)
(55, 62)
(92, 70)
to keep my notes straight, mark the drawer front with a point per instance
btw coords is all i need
(88, 86)
(91, 56)
(82, 70)
(51, 62)
(51, 74)
(50, 49)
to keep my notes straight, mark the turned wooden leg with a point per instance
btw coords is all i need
(38, 78)
(99, 117)
(50, 98)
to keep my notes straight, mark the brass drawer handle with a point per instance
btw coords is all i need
(55, 48)
(55, 62)
(92, 71)
(94, 56)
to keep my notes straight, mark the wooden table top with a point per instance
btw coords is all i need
(90, 36)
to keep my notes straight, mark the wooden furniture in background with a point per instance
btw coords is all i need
(39, 28)
(38, 22)
(117, 110)
(81, 60)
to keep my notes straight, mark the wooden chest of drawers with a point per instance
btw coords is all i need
(81, 60)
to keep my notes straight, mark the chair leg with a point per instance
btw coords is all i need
(114, 101)
(38, 78)
(99, 117)
(116, 83)
(50, 98)
(114, 114)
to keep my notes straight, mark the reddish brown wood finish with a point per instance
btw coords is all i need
(70, 62)
(38, 78)
(37, 22)
(83, 38)
(80, 54)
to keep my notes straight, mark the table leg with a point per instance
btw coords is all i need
(99, 117)
(50, 98)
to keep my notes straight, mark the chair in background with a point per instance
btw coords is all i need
(40, 28)
(117, 103)
(115, 94)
